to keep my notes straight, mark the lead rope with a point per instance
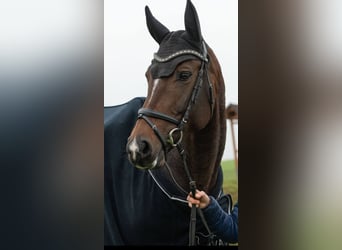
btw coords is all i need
(192, 184)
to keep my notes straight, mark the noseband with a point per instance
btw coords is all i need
(144, 114)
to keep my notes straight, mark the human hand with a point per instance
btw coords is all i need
(201, 199)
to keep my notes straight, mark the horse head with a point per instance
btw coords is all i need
(184, 80)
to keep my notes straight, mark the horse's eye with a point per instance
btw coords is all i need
(183, 75)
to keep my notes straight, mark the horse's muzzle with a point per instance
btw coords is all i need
(140, 153)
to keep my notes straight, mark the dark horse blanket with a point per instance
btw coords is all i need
(141, 207)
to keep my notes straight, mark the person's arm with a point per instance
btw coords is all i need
(224, 225)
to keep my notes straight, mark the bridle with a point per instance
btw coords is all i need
(145, 114)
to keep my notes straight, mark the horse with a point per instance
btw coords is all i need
(160, 147)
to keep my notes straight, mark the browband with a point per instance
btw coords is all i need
(179, 53)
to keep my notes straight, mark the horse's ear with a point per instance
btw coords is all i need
(192, 24)
(157, 30)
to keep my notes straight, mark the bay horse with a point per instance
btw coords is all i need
(175, 138)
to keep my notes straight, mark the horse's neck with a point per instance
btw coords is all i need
(203, 151)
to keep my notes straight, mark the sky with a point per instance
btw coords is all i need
(129, 47)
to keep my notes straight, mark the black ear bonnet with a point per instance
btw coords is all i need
(178, 46)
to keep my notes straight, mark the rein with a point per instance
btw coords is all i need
(144, 114)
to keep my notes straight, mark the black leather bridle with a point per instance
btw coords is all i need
(145, 114)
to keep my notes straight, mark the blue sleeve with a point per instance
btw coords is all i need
(224, 225)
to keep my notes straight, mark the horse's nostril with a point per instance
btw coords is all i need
(145, 147)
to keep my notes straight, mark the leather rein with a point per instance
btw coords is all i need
(145, 114)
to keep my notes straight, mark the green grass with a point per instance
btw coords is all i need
(230, 179)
